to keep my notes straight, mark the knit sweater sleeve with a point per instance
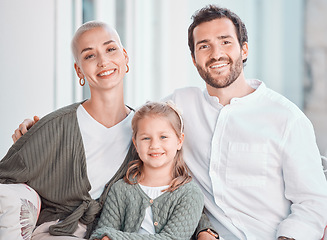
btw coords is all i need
(180, 225)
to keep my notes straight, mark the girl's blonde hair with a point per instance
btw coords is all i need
(181, 173)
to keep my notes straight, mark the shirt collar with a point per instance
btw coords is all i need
(258, 85)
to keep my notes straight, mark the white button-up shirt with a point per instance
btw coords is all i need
(257, 162)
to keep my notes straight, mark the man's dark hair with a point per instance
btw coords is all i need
(212, 12)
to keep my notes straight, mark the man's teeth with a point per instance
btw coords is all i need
(219, 65)
(106, 73)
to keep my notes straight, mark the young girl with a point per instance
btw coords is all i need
(156, 199)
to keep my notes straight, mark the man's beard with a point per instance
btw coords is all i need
(235, 71)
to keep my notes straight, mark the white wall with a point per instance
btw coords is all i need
(36, 65)
(37, 74)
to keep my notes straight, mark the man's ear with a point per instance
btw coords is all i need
(193, 59)
(245, 50)
(78, 71)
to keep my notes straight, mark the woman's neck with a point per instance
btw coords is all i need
(107, 109)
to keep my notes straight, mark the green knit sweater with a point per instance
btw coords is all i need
(50, 158)
(175, 214)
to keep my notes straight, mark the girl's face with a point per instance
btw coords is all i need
(157, 143)
(101, 59)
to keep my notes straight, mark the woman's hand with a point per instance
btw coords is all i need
(23, 128)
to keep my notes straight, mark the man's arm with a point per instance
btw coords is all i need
(305, 183)
(23, 128)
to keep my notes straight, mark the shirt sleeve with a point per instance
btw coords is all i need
(204, 224)
(181, 224)
(305, 183)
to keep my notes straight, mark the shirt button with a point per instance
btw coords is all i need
(151, 201)
(155, 223)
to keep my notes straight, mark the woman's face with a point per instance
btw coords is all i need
(101, 59)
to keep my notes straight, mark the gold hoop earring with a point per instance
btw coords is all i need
(82, 82)
(127, 68)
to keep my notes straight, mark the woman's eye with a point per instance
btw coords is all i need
(111, 49)
(88, 56)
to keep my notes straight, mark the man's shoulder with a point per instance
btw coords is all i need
(185, 94)
(188, 91)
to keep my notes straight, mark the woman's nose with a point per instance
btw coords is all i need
(102, 62)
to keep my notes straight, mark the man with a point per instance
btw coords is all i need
(251, 150)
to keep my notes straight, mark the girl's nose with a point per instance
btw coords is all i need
(154, 144)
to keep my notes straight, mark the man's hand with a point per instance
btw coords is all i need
(23, 128)
(204, 235)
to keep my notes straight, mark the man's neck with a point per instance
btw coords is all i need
(237, 89)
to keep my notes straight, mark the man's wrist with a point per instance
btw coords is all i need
(211, 232)
(285, 238)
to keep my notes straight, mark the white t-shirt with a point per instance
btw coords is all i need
(105, 148)
(147, 226)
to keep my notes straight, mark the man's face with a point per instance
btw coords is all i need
(217, 53)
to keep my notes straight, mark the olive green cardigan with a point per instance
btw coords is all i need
(175, 214)
(50, 158)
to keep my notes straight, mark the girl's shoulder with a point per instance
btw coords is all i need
(122, 186)
(190, 188)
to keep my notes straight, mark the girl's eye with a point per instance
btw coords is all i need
(146, 138)
(163, 137)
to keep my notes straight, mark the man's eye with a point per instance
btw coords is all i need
(226, 42)
(203, 46)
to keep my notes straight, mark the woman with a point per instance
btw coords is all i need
(69, 155)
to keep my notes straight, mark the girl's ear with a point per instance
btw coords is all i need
(180, 141)
(78, 71)
(134, 142)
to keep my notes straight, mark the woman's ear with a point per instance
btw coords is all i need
(134, 142)
(126, 55)
(78, 71)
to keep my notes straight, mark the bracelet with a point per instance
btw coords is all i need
(216, 235)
